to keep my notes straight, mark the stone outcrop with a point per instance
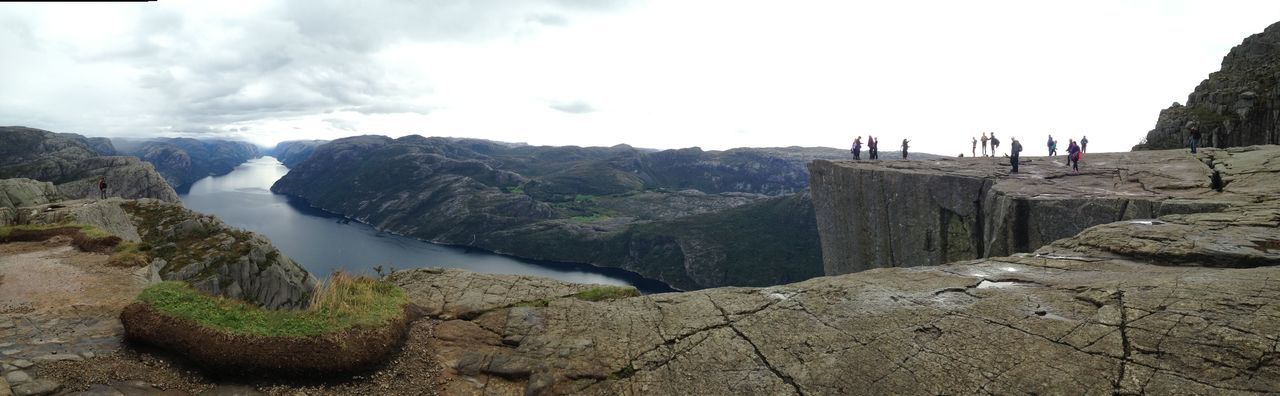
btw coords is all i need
(75, 164)
(1238, 105)
(17, 193)
(1173, 293)
(183, 245)
(182, 161)
(690, 218)
(292, 152)
(895, 214)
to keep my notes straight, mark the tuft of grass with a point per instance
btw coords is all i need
(342, 302)
(603, 293)
(128, 255)
(85, 237)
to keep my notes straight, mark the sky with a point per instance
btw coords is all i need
(659, 74)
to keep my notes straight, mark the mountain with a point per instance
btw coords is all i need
(1238, 105)
(182, 161)
(651, 212)
(75, 163)
(292, 152)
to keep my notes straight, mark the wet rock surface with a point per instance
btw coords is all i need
(894, 214)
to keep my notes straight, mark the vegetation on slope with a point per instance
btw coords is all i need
(343, 302)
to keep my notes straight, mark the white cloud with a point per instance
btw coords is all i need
(712, 73)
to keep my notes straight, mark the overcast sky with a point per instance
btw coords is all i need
(660, 74)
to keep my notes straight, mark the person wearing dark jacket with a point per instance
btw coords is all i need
(1195, 138)
(1015, 148)
(1073, 156)
(102, 187)
(904, 148)
(857, 148)
(873, 147)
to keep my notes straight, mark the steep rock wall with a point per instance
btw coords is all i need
(893, 214)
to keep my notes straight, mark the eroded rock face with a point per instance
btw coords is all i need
(17, 193)
(873, 215)
(1238, 105)
(75, 164)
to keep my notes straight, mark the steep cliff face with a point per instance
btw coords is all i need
(183, 161)
(75, 164)
(934, 212)
(613, 206)
(1238, 105)
(292, 152)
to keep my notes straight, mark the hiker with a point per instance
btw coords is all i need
(904, 148)
(1014, 149)
(873, 147)
(857, 148)
(1084, 144)
(994, 143)
(984, 144)
(1053, 146)
(974, 153)
(1073, 156)
(1195, 138)
(102, 187)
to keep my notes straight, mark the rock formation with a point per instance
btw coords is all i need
(1238, 105)
(689, 217)
(292, 152)
(74, 164)
(1173, 294)
(895, 214)
(182, 161)
(180, 244)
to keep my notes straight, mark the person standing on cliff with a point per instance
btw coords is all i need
(1053, 146)
(1073, 156)
(1084, 144)
(974, 153)
(857, 148)
(1015, 148)
(984, 144)
(904, 148)
(873, 147)
(102, 187)
(1195, 138)
(994, 143)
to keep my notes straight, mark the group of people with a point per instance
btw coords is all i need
(1074, 150)
(873, 148)
(992, 141)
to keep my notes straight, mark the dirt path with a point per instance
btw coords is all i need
(56, 300)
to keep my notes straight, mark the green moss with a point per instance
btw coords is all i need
(604, 293)
(129, 255)
(584, 198)
(85, 229)
(624, 373)
(377, 303)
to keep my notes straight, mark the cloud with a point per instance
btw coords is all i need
(574, 107)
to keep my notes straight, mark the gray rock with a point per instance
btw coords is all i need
(4, 388)
(22, 363)
(39, 387)
(57, 357)
(17, 377)
(75, 164)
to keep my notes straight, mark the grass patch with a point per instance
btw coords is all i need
(603, 293)
(129, 254)
(584, 198)
(340, 303)
(85, 237)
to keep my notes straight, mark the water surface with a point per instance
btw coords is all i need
(324, 242)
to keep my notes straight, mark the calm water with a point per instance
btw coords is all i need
(323, 242)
